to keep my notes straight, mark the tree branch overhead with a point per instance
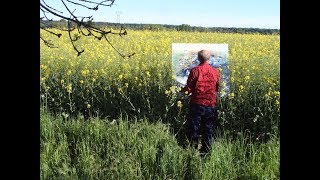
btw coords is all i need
(77, 22)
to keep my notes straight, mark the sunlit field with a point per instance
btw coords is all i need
(84, 94)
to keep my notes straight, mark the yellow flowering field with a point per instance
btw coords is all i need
(101, 83)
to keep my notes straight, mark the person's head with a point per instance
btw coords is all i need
(203, 56)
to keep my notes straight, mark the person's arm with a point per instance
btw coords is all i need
(190, 82)
(218, 82)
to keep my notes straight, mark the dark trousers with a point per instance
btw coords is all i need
(200, 121)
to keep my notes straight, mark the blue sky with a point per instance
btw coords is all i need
(205, 13)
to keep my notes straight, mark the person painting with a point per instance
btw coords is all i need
(203, 85)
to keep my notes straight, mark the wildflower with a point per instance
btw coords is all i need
(43, 66)
(120, 90)
(231, 96)
(69, 88)
(85, 72)
(172, 88)
(241, 87)
(148, 73)
(222, 93)
(179, 104)
(81, 81)
(247, 78)
(277, 93)
(88, 106)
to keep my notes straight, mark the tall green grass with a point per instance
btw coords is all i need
(138, 149)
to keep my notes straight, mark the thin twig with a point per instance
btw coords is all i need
(74, 47)
(94, 8)
(101, 3)
(58, 35)
(47, 43)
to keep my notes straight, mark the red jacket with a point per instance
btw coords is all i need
(203, 83)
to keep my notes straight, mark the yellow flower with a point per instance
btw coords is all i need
(241, 87)
(186, 92)
(69, 88)
(246, 78)
(277, 93)
(148, 73)
(172, 88)
(179, 104)
(231, 95)
(88, 106)
(120, 90)
(43, 66)
(81, 81)
(222, 93)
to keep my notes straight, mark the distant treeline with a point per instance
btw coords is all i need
(160, 27)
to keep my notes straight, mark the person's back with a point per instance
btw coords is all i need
(205, 86)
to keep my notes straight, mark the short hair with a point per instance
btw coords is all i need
(203, 55)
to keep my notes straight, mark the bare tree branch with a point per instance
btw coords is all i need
(101, 3)
(81, 23)
(94, 8)
(58, 35)
(74, 47)
(47, 43)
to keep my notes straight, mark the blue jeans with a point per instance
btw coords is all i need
(200, 121)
